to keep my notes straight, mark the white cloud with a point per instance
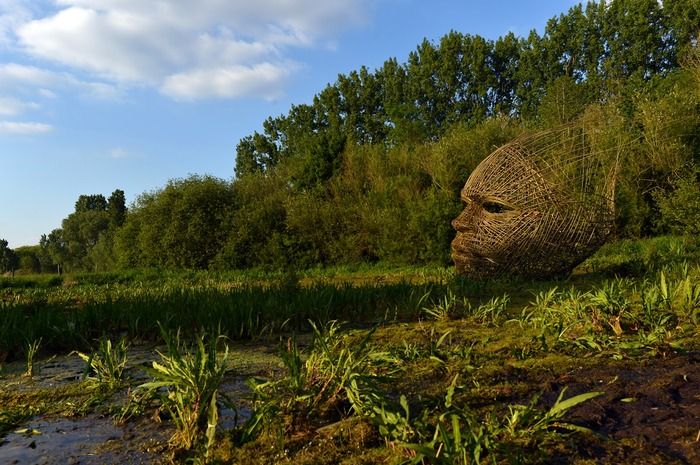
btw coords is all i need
(207, 49)
(15, 73)
(15, 76)
(10, 106)
(107, 44)
(47, 93)
(261, 80)
(14, 127)
(13, 13)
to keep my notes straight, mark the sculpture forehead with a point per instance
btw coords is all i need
(508, 174)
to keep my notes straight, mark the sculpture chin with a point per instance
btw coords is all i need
(472, 264)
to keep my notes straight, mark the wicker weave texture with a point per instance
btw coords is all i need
(537, 206)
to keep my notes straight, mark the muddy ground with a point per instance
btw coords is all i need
(74, 429)
(650, 411)
(649, 414)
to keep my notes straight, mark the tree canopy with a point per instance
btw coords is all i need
(8, 257)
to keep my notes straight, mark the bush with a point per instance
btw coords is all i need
(680, 208)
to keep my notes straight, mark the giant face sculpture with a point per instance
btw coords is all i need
(535, 207)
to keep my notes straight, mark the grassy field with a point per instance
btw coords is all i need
(363, 366)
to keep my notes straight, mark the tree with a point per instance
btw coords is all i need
(55, 247)
(680, 208)
(116, 208)
(87, 203)
(94, 221)
(81, 230)
(638, 39)
(28, 259)
(8, 258)
(182, 225)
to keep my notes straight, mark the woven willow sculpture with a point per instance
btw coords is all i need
(537, 206)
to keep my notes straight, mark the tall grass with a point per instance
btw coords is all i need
(248, 304)
(68, 316)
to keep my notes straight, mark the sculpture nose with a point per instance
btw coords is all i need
(460, 223)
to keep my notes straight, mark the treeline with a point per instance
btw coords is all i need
(370, 171)
(599, 52)
(83, 242)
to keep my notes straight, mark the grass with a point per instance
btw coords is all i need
(431, 368)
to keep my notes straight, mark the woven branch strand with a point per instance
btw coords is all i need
(537, 206)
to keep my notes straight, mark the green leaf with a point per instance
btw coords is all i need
(212, 420)
(562, 406)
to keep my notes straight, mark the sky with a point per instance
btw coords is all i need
(98, 95)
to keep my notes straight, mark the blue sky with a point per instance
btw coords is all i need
(98, 95)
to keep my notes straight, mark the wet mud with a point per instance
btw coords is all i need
(649, 412)
(97, 438)
(86, 441)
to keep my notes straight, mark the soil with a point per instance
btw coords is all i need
(97, 439)
(650, 411)
(88, 440)
(649, 414)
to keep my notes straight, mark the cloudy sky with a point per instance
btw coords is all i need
(98, 95)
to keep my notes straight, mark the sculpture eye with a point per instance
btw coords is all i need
(495, 207)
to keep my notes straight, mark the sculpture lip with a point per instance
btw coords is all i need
(464, 255)
(458, 248)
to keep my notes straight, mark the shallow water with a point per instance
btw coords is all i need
(88, 440)
(96, 439)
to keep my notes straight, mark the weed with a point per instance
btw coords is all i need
(107, 363)
(460, 437)
(444, 309)
(457, 438)
(609, 303)
(394, 426)
(11, 417)
(544, 300)
(654, 308)
(408, 352)
(491, 312)
(338, 369)
(340, 375)
(31, 349)
(528, 421)
(191, 377)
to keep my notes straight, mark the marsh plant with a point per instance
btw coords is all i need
(528, 421)
(340, 375)
(106, 365)
(444, 309)
(491, 312)
(31, 349)
(672, 297)
(241, 306)
(455, 434)
(542, 309)
(610, 304)
(187, 381)
(452, 307)
(340, 368)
